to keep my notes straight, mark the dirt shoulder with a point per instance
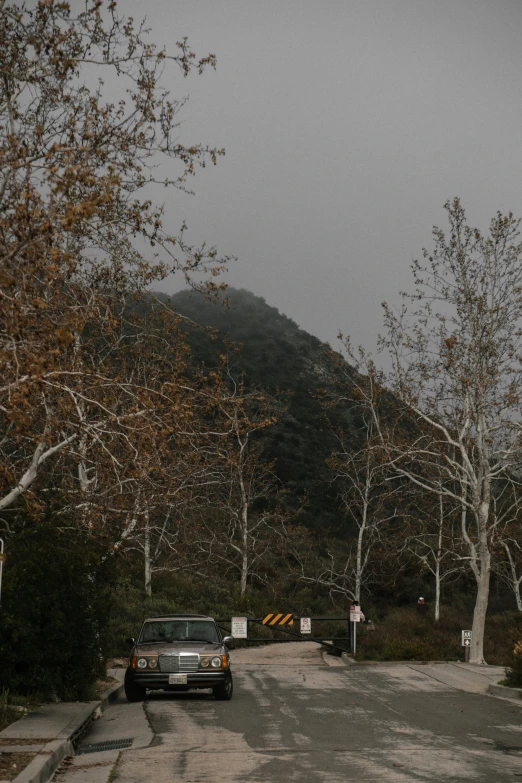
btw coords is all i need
(287, 654)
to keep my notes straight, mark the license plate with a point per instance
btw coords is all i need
(177, 679)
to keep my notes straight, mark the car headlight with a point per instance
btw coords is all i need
(142, 663)
(215, 662)
(205, 662)
(153, 662)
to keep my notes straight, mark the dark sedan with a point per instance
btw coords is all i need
(179, 652)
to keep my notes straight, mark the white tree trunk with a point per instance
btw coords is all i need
(244, 573)
(479, 618)
(437, 559)
(518, 597)
(516, 581)
(482, 571)
(147, 558)
(40, 455)
(244, 560)
(244, 511)
(437, 590)
(359, 566)
(361, 560)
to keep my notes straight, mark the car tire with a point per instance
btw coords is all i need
(224, 691)
(133, 692)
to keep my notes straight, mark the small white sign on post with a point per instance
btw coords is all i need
(466, 639)
(239, 627)
(305, 625)
(355, 614)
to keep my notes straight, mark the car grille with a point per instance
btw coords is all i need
(179, 662)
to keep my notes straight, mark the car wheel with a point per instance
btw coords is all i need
(223, 691)
(133, 692)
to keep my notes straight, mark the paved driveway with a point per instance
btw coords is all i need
(297, 716)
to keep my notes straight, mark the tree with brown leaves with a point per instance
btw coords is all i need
(79, 233)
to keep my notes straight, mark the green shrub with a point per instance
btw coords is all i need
(500, 637)
(180, 594)
(514, 670)
(404, 635)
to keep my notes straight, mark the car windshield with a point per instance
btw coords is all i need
(180, 631)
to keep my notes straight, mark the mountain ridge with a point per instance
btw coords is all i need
(278, 356)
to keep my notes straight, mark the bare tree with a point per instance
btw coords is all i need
(368, 503)
(242, 514)
(355, 402)
(507, 510)
(173, 496)
(249, 480)
(455, 366)
(432, 539)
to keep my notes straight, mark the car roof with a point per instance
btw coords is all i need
(179, 617)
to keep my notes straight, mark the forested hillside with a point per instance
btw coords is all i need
(278, 356)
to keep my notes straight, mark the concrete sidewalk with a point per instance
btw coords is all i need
(463, 676)
(466, 677)
(49, 732)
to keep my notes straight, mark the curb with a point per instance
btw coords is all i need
(325, 655)
(505, 692)
(352, 662)
(47, 761)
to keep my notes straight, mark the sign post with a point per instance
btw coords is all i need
(466, 643)
(355, 617)
(239, 627)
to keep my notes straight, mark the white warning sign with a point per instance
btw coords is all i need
(239, 627)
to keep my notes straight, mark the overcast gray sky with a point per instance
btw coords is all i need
(347, 125)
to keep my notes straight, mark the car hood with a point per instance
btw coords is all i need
(156, 648)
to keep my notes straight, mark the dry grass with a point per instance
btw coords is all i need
(12, 763)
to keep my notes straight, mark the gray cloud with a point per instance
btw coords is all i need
(347, 125)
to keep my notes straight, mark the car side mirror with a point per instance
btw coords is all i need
(228, 641)
(130, 641)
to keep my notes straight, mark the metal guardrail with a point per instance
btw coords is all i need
(336, 643)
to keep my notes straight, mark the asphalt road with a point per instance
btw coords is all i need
(294, 717)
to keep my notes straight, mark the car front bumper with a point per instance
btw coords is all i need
(194, 679)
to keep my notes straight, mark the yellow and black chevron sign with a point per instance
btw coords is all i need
(279, 619)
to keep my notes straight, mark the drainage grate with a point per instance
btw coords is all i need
(98, 747)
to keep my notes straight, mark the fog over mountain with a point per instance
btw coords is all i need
(347, 125)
